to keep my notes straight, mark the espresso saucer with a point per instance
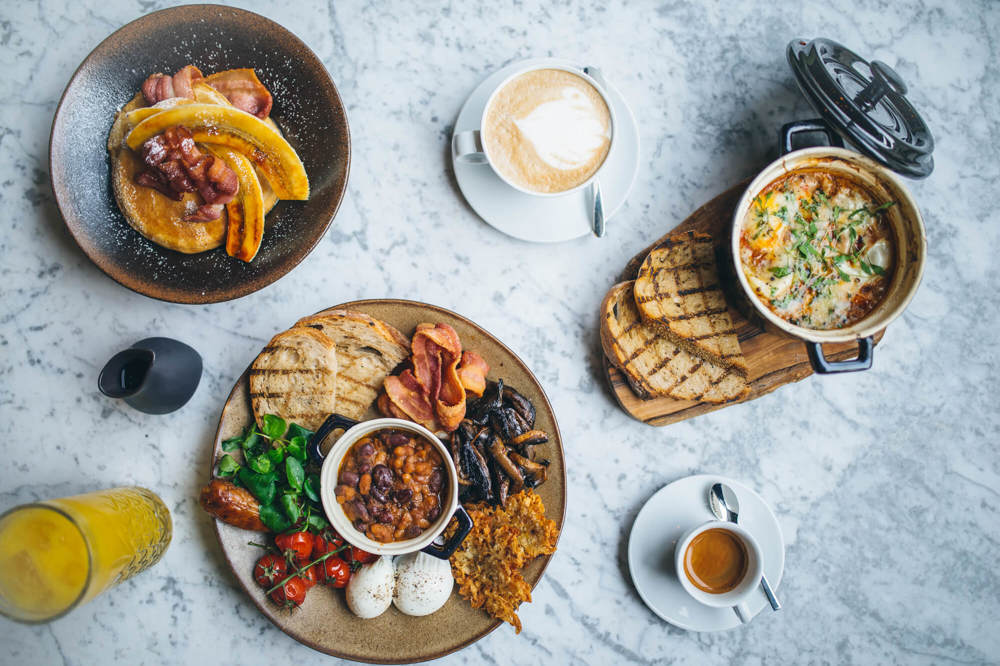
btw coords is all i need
(665, 517)
(546, 219)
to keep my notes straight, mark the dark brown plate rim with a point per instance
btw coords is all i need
(546, 559)
(237, 290)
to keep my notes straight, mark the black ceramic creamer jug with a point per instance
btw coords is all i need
(155, 375)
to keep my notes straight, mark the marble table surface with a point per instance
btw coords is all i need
(886, 483)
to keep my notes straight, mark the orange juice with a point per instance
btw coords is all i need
(61, 553)
(43, 562)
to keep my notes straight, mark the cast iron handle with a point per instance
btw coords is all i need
(801, 126)
(445, 550)
(866, 350)
(884, 79)
(332, 422)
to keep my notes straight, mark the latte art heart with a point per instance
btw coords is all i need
(547, 131)
(567, 132)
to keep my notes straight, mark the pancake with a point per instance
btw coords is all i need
(156, 216)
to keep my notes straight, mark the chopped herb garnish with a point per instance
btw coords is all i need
(781, 271)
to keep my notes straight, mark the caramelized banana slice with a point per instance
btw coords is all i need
(135, 117)
(227, 126)
(206, 94)
(246, 211)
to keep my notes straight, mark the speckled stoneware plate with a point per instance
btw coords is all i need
(324, 622)
(307, 108)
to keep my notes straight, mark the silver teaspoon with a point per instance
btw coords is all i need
(726, 506)
(598, 219)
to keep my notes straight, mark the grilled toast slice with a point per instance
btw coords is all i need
(654, 364)
(367, 351)
(295, 377)
(678, 293)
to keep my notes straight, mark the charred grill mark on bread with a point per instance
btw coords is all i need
(653, 364)
(678, 293)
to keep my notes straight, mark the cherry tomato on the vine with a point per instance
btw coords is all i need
(362, 556)
(291, 594)
(270, 570)
(296, 546)
(336, 572)
(312, 575)
(324, 544)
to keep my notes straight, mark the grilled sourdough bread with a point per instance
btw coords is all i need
(653, 364)
(295, 377)
(677, 292)
(367, 351)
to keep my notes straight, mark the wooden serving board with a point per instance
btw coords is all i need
(772, 360)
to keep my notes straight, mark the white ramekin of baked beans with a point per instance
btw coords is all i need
(389, 486)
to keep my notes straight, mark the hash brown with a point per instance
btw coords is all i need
(487, 566)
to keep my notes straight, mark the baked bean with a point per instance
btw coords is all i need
(382, 476)
(381, 532)
(435, 481)
(391, 484)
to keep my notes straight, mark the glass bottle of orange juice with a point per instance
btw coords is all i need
(59, 554)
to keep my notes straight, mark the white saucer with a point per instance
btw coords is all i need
(669, 513)
(546, 219)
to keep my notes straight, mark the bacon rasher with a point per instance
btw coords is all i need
(433, 391)
(240, 86)
(175, 166)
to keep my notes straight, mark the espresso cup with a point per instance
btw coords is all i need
(738, 594)
(479, 146)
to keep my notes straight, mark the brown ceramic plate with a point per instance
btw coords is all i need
(324, 622)
(307, 108)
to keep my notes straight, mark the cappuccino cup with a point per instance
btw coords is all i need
(546, 131)
(720, 564)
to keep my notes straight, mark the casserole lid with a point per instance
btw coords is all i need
(865, 102)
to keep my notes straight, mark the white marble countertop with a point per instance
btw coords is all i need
(886, 483)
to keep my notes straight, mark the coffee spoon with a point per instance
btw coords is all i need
(598, 216)
(598, 209)
(726, 506)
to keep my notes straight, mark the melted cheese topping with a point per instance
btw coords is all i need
(817, 250)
